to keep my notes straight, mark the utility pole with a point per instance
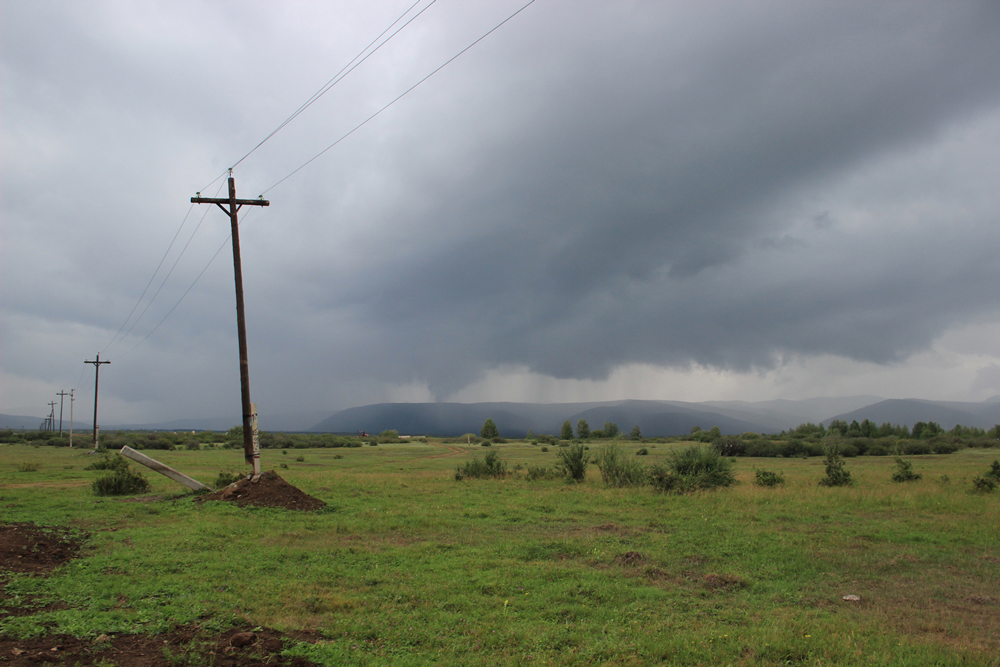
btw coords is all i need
(62, 394)
(97, 379)
(71, 418)
(52, 415)
(251, 447)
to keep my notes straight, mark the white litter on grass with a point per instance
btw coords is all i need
(852, 598)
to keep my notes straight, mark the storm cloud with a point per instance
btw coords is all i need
(594, 186)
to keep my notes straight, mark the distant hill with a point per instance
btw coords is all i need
(18, 422)
(909, 411)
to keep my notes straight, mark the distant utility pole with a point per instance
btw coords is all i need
(62, 394)
(251, 448)
(52, 415)
(97, 379)
(71, 417)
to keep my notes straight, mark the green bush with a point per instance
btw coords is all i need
(29, 467)
(877, 450)
(490, 466)
(836, 475)
(944, 447)
(545, 449)
(122, 482)
(573, 463)
(994, 470)
(769, 478)
(916, 448)
(904, 472)
(300, 459)
(106, 462)
(226, 478)
(535, 473)
(642, 452)
(730, 446)
(694, 468)
(618, 470)
(984, 483)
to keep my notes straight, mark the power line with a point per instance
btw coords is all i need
(131, 312)
(191, 287)
(401, 96)
(339, 76)
(164, 281)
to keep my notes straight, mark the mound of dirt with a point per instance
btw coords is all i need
(268, 491)
(25, 547)
(237, 647)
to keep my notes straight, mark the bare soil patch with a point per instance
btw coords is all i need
(242, 647)
(268, 491)
(25, 547)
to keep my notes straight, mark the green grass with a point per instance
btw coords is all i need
(408, 566)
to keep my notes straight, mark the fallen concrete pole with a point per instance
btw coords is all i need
(152, 464)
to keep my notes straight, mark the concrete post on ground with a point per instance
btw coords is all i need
(153, 464)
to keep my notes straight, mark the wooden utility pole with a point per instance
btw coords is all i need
(62, 394)
(251, 448)
(52, 416)
(71, 417)
(97, 379)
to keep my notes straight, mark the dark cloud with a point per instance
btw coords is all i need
(592, 186)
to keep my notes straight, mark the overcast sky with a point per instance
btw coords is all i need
(600, 200)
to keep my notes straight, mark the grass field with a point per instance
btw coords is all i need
(407, 566)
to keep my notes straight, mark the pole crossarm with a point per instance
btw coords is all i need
(239, 203)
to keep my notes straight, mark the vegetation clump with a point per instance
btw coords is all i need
(836, 474)
(988, 481)
(904, 472)
(692, 469)
(618, 470)
(573, 462)
(29, 467)
(122, 481)
(226, 478)
(106, 462)
(769, 478)
(490, 466)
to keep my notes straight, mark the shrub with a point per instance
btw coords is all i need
(836, 475)
(849, 450)
(490, 466)
(769, 478)
(122, 482)
(192, 446)
(545, 449)
(916, 448)
(389, 434)
(28, 467)
(984, 483)
(642, 452)
(994, 470)
(904, 472)
(283, 465)
(693, 468)
(618, 470)
(226, 478)
(729, 446)
(877, 450)
(943, 447)
(573, 463)
(105, 462)
(540, 473)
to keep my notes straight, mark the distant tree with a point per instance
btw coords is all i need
(530, 435)
(838, 426)
(610, 429)
(582, 429)
(567, 431)
(695, 429)
(489, 429)
(636, 433)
